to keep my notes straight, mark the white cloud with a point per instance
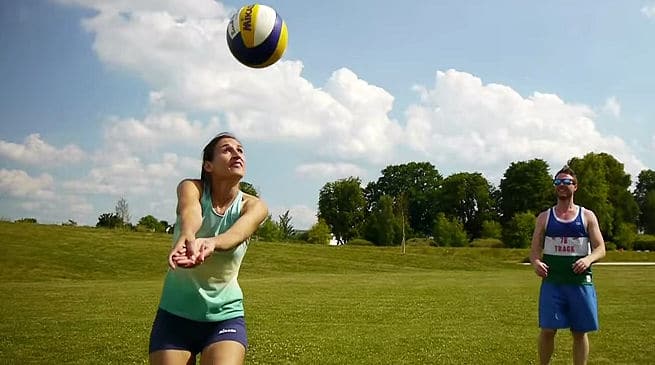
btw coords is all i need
(179, 49)
(35, 151)
(192, 8)
(39, 197)
(467, 126)
(193, 165)
(612, 107)
(18, 184)
(130, 176)
(157, 129)
(328, 170)
(368, 130)
(348, 112)
(649, 11)
(187, 62)
(76, 208)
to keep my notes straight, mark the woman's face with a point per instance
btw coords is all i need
(229, 159)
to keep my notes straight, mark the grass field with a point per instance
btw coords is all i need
(75, 295)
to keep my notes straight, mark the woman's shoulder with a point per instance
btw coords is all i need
(249, 198)
(191, 182)
(250, 201)
(190, 186)
(254, 207)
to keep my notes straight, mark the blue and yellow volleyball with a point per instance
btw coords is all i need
(257, 35)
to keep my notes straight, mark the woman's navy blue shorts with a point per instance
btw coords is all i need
(171, 332)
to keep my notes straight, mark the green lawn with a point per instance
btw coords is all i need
(87, 296)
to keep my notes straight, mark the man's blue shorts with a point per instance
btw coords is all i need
(568, 306)
(171, 332)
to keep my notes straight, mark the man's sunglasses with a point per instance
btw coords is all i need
(558, 182)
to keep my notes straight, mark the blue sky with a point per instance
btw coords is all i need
(105, 99)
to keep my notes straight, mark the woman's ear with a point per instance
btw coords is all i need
(207, 166)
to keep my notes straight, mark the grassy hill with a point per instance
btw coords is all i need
(83, 295)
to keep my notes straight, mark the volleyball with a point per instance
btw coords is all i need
(257, 35)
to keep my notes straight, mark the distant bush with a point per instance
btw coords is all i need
(360, 242)
(449, 232)
(518, 231)
(142, 229)
(27, 220)
(299, 235)
(610, 246)
(319, 233)
(269, 230)
(109, 220)
(625, 236)
(151, 224)
(420, 241)
(645, 242)
(487, 243)
(492, 229)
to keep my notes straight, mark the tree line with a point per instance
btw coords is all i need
(120, 218)
(414, 200)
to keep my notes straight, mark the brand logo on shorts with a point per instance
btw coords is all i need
(227, 330)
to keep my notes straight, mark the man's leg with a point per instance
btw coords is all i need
(546, 345)
(580, 348)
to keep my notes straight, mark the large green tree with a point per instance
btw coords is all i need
(603, 188)
(467, 198)
(647, 217)
(383, 227)
(645, 197)
(150, 223)
(525, 186)
(109, 220)
(417, 183)
(342, 205)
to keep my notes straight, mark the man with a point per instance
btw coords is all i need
(570, 240)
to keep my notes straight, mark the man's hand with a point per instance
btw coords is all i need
(581, 265)
(540, 268)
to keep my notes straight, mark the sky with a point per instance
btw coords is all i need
(103, 99)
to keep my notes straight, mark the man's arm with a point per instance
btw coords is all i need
(537, 245)
(597, 243)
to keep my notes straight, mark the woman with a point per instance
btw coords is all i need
(201, 307)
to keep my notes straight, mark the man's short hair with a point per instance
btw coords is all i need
(569, 171)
